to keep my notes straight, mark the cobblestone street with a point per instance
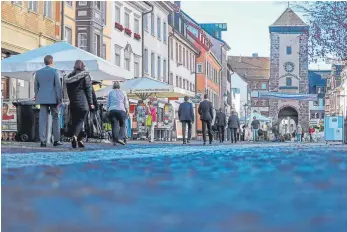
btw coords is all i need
(170, 187)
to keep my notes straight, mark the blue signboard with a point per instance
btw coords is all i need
(333, 128)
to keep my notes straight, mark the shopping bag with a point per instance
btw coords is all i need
(149, 120)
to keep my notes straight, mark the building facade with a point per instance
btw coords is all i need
(68, 22)
(289, 68)
(90, 22)
(220, 49)
(317, 85)
(256, 72)
(334, 91)
(35, 22)
(241, 85)
(126, 37)
(155, 50)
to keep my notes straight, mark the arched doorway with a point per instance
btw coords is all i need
(288, 119)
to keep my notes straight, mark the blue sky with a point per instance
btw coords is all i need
(248, 23)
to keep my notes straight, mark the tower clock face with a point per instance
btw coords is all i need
(289, 67)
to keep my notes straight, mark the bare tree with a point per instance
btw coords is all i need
(328, 29)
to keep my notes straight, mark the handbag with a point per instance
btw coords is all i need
(149, 120)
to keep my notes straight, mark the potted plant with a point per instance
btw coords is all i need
(128, 31)
(119, 26)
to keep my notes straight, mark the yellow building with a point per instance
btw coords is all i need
(26, 25)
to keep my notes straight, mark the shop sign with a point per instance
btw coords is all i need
(196, 99)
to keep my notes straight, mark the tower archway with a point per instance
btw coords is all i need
(288, 118)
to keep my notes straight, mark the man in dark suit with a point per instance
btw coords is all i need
(206, 116)
(186, 116)
(48, 93)
(221, 123)
(233, 125)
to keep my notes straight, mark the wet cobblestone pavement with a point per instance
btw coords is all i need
(163, 187)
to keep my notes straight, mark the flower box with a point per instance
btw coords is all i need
(137, 36)
(128, 31)
(119, 26)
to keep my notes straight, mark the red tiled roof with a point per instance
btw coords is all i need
(250, 67)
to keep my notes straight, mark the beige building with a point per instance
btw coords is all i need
(69, 22)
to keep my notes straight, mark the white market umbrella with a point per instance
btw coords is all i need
(23, 66)
(142, 88)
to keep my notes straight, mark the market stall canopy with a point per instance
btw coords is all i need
(259, 117)
(143, 88)
(24, 65)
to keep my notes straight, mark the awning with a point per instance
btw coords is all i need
(24, 65)
(287, 96)
(143, 88)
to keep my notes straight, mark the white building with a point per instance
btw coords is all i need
(155, 53)
(236, 100)
(241, 85)
(126, 37)
(182, 61)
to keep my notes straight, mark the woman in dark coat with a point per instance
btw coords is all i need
(80, 92)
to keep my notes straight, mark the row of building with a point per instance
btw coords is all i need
(142, 39)
(159, 40)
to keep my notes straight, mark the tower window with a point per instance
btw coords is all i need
(289, 50)
(289, 81)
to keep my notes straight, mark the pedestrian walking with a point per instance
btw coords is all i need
(206, 116)
(151, 121)
(299, 133)
(233, 125)
(186, 117)
(49, 95)
(221, 124)
(118, 108)
(255, 128)
(80, 92)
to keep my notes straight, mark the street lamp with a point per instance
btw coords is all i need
(245, 106)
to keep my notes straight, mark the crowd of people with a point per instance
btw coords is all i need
(82, 98)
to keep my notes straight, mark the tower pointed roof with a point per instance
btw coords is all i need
(289, 18)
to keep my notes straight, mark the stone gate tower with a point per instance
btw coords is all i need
(289, 67)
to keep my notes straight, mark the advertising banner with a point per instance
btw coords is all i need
(9, 121)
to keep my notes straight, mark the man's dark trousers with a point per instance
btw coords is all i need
(208, 124)
(233, 134)
(221, 133)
